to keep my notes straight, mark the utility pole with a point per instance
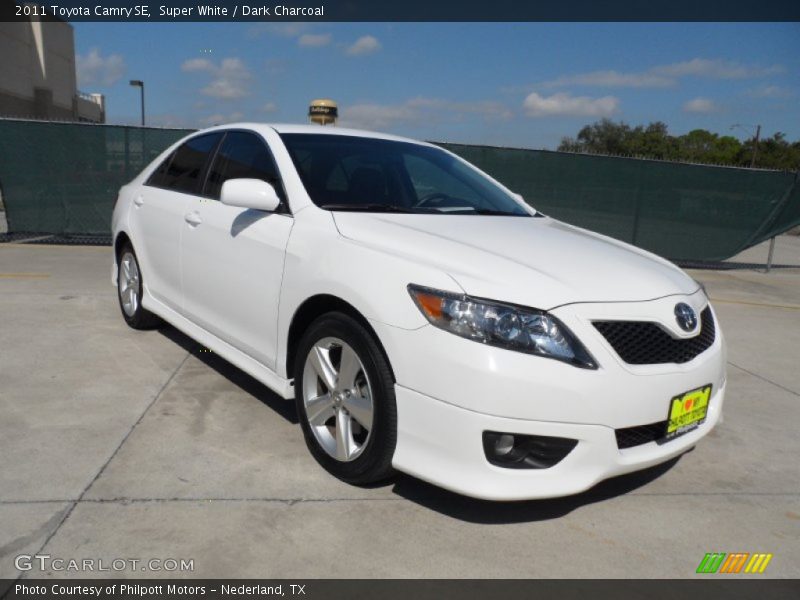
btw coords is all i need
(755, 146)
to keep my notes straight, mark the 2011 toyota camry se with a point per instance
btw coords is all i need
(423, 317)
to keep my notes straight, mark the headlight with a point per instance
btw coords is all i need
(503, 325)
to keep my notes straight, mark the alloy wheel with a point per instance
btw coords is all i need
(338, 398)
(128, 284)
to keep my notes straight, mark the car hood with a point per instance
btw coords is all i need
(531, 261)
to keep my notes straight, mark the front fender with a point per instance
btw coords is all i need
(321, 261)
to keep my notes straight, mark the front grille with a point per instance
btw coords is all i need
(641, 434)
(646, 343)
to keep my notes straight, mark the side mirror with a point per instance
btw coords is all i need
(518, 196)
(249, 193)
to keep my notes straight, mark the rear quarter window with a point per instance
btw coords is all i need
(158, 177)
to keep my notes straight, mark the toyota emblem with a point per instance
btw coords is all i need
(685, 316)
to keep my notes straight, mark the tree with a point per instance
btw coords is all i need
(699, 145)
(604, 135)
(653, 141)
(774, 153)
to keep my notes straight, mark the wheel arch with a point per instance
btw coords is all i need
(313, 308)
(120, 241)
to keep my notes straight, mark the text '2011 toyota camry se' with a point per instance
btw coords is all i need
(423, 317)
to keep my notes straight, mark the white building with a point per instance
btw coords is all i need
(37, 74)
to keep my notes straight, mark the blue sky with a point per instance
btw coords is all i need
(518, 84)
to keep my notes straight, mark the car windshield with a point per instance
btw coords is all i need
(342, 172)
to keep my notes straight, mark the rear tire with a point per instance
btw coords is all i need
(345, 399)
(129, 291)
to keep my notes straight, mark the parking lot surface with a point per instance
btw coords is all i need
(124, 444)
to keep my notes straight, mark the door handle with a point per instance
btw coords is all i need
(138, 201)
(193, 218)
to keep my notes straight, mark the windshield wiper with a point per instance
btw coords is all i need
(498, 213)
(387, 208)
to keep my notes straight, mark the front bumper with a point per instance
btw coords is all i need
(450, 390)
(441, 443)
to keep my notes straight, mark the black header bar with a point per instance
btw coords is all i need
(401, 10)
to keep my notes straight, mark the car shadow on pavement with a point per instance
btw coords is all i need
(285, 408)
(493, 513)
(422, 493)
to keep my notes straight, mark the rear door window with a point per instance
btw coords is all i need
(187, 165)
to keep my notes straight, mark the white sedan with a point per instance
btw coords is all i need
(423, 317)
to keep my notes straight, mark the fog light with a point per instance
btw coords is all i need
(515, 451)
(504, 444)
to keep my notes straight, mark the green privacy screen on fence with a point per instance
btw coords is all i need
(63, 178)
(680, 211)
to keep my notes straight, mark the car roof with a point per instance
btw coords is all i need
(315, 129)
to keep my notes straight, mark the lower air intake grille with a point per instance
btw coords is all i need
(642, 434)
(646, 343)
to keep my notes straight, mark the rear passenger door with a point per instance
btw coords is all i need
(232, 258)
(158, 212)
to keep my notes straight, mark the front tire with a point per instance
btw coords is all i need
(129, 291)
(345, 399)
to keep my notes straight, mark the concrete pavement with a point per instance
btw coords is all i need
(125, 444)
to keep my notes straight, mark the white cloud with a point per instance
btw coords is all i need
(666, 75)
(168, 120)
(220, 118)
(314, 40)
(376, 116)
(700, 105)
(94, 68)
(366, 44)
(486, 108)
(564, 104)
(230, 79)
(769, 91)
(715, 69)
(269, 107)
(611, 79)
(275, 66)
(197, 64)
(418, 110)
